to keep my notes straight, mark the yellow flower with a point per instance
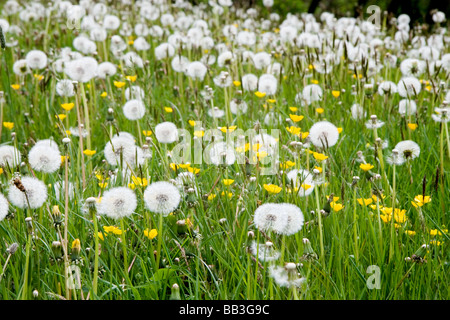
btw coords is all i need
(192, 123)
(315, 81)
(272, 189)
(119, 84)
(1, 170)
(435, 242)
(199, 133)
(236, 83)
(336, 206)
(168, 109)
(89, 152)
(104, 94)
(335, 199)
(366, 166)
(412, 126)
(211, 196)
(304, 135)
(193, 170)
(8, 125)
(39, 77)
(112, 229)
(229, 194)
(63, 159)
(287, 164)
(365, 202)
(60, 116)
(318, 168)
(305, 186)
(76, 244)
(15, 86)
(435, 232)
(184, 165)
(150, 234)
(131, 78)
(229, 129)
(102, 184)
(132, 186)
(410, 232)
(293, 109)
(319, 156)
(294, 130)
(420, 200)
(339, 130)
(139, 181)
(100, 236)
(271, 100)
(227, 182)
(67, 106)
(320, 110)
(260, 94)
(173, 166)
(296, 118)
(147, 132)
(336, 93)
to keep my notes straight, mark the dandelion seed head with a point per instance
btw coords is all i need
(117, 203)
(162, 197)
(35, 190)
(323, 134)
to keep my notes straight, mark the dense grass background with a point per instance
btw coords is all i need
(210, 259)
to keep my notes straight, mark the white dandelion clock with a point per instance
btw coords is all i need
(64, 88)
(323, 134)
(221, 153)
(36, 59)
(162, 197)
(118, 203)
(238, 106)
(9, 156)
(268, 83)
(357, 112)
(301, 180)
(295, 218)
(122, 151)
(404, 151)
(264, 251)
(196, 70)
(4, 207)
(106, 69)
(33, 196)
(134, 109)
(286, 276)
(311, 93)
(249, 82)
(268, 218)
(409, 87)
(407, 107)
(387, 87)
(81, 70)
(166, 132)
(44, 158)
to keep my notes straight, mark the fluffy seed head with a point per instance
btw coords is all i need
(162, 197)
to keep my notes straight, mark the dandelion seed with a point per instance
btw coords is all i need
(162, 197)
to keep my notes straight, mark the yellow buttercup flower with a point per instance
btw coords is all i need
(151, 234)
(304, 135)
(1, 170)
(102, 184)
(211, 196)
(60, 116)
(336, 93)
(8, 125)
(318, 168)
(293, 109)
(100, 236)
(131, 78)
(192, 123)
(305, 186)
(147, 133)
(272, 189)
(68, 106)
(410, 232)
(319, 156)
(39, 77)
(199, 133)
(260, 94)
(420, 200)
(168, 109)
(336, 206)
(236, 83)
(412, 126)
(89, 152)
(314, 81)
(112, 229)
(104, 94)
(227, 182)
(193, 170)
(294, 130)
(339, 130)
(229, 129)
(365, 202)
(139, 181)
(296, 118)
(119, 84)
(320, 110)
(271, 100)
(15, 86)
(366, 166)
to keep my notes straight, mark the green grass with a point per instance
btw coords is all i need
(209, 260)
